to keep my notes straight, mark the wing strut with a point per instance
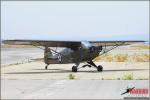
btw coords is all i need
(115, 46)
(54, 51)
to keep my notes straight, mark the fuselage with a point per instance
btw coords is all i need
(71, 56)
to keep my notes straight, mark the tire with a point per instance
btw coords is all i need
(74, 69)
(99, 68)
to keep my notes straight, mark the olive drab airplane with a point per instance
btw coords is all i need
(74, 52)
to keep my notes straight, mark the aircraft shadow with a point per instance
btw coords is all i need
(69, 71)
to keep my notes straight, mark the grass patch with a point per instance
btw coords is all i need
(99, 58)
(141, 57)
(106, 57)
(121, 57)
(141, 78)
(109, 58)
(71, 76)
(128, 77)
(124, 58)
(142, 47)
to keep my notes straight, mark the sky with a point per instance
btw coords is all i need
(75, 20)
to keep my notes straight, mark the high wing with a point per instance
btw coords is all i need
(68, 44)
(112, 43)
(48, 43)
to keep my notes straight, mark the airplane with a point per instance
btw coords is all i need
(75, 51)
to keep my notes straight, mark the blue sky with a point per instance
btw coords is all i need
(75, 20)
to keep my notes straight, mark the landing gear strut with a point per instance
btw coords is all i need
(99, 68)
(90, 64)
(86, 65)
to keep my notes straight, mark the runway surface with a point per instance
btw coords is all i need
(18, 55)
(69, 89)
(112, 70)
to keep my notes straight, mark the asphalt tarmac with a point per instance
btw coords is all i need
(70, 89)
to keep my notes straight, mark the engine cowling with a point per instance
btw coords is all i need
(85, 45)
(90, 47)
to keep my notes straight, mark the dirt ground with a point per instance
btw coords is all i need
(112, 71)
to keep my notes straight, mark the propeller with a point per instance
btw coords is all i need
(86, 44)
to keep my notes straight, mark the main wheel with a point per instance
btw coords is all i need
(74, 69)
(86, 65)
(99, 68)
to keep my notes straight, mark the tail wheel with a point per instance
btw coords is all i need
(99, 68)
(74, 69)
(46, 67)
